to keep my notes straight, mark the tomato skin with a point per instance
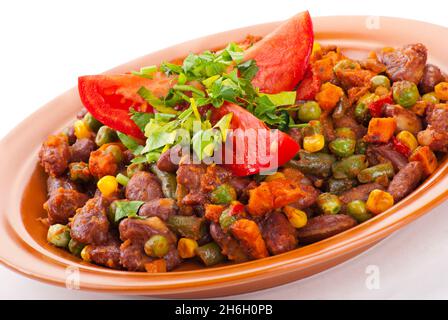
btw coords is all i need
(281, 150)
(401, 147)
(283, 55)
(109, 98)
(376, 107)
(309, 86)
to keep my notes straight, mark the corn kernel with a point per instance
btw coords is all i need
(316, 48)
(441, 90)
(187, 248)
(314, 143)
(81, 129)
(275, 176)
(85, 253)
(108, 185)
(408, 139)
(379, 201)
(296, 217)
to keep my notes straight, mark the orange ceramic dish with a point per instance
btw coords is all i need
(23, 241)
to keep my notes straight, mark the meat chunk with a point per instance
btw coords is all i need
(81, 149)
(349, 122)
(167, 161)
(324, 226)
(279, 234)
(404, 118)
(90, 224)
(436, 134)
(406, 180)
(360, 192)
(406, 63)
(162, 208)
(229, 246)
(63, 204)
(133, 257)
(309, 197)
(107, 254)
(54, 183)
(103, 163)
(143, 186)
(431, 76)
(385, 153)
(54, 155)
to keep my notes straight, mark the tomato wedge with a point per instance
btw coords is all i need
(283, 55)
(109, 97)
(245, 158)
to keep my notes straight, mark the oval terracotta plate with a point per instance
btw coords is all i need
(22, 187)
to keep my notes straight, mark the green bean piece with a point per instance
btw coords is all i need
(349, 168)
(372, 173)
(75, 247)
(111, 212)
(92, 123)
(223, 194)
(338, 186)
(79, 171)
(122, 179)
(105, 135)
(341, 108)
(346, 133)
(342, 147)
(157, 246)
(379, 81)
(361, 147)
(329, 203)
(405, 93)
(167, 180)
(317, 164)
(210, 254)
(309, 111)
(59, 235)
(226, 219)
(133, 168)
(115, 151)
(431, 98)
(188, 226)
(358, 210)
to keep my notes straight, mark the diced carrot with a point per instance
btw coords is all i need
(329, 96)
(249, 235)
(156, 266)
(380, 130)
(323, 68)
(272, 195)
(213, 212)
(426, 157)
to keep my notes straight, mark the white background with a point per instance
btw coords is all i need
(45, 45)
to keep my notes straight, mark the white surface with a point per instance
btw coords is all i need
(60, 40)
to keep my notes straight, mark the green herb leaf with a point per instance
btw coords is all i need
(285, 98)
(127, 209)
(130, 143)
(155, 102)
(248, 69)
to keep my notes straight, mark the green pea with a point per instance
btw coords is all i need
(346, 64)
(133, 168)
(75, 247)
(357, 209)
(361, 147)
(59, 235)
(105, 135)
(372, 173)
(345, 133)
(226, 219)
(91, 122)
(350, 167)
(157, 246)
(362, 114)
(431, 98)
(405, 93)
(342, 147)
(223, 194)
(309, 111)
(329, 203)
(115, 151)
(79, 171)
(379, 81)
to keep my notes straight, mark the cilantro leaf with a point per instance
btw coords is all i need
(141, 119)
(127, 209)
